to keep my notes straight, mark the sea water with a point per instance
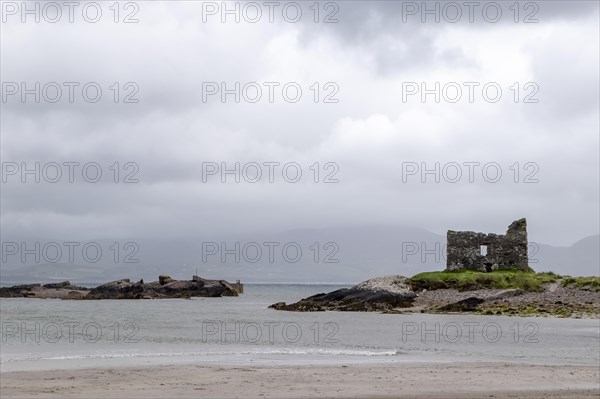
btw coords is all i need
(43, 334)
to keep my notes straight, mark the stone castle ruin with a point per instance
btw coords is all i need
(487, 252)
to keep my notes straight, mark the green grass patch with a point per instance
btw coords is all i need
(464, 280)
(583, 283)
(548, 277)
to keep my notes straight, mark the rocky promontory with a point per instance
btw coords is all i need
(165, 287)
(502, 293)
(378, 294)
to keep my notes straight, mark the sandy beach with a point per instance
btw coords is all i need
(460, 380)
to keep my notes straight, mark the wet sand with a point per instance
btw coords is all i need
(400, 380)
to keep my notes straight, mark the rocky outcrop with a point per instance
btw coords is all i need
(162, 279)
(187, 289)
(18, 291)
(47, 291)
(74, 295)
(63, 284)
(378, 294)
(166, 287)
(119, 289)
(470, 304)
(393, 295)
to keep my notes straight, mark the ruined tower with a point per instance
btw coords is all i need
(487, 252)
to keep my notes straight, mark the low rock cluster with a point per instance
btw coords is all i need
(166, 287)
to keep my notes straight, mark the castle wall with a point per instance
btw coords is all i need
(507, 251)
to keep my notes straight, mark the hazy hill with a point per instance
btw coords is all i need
(362, 252)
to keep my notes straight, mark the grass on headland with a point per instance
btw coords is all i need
(464, 280)
(583, 283)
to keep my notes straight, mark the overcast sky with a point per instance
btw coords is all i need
(366, 140)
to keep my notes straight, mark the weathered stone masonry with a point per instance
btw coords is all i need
(487, 252)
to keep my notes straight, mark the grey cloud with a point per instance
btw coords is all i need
(369, 133)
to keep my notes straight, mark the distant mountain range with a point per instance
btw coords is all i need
(361, 252)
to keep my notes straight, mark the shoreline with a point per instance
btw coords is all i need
(489, 294)
(378, 380)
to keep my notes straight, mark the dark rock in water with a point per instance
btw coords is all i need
(58, 285)
(48, 291)
(166, 287)
(466, 305)
(226, 285)
(26, 286)
(17, 291)
(119, 289)
(224, 291)
(187, 289)
(378, 294)
(163, 279)
(180, 285)
(74, 295)
(278, 306)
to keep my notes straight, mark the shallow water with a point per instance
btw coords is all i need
(55, 334)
